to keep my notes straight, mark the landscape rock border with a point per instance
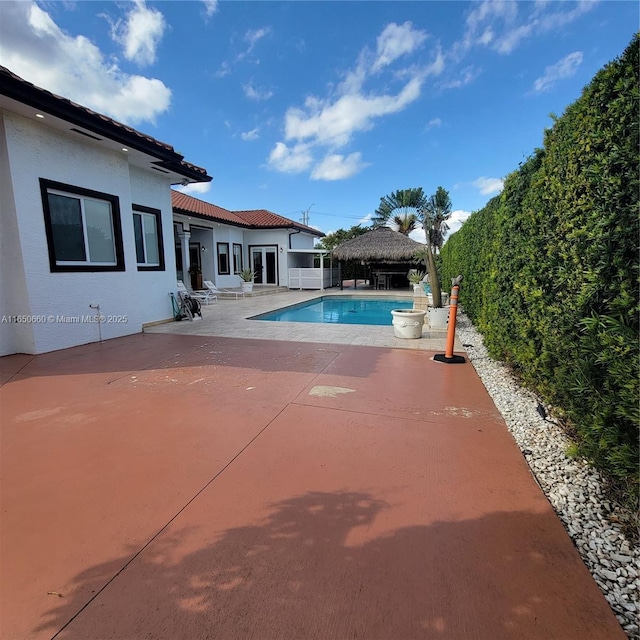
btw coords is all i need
(574, 489)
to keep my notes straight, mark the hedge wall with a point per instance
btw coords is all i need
(551, 268)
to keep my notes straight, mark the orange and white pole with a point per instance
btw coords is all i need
(453, 314)
(448, 356)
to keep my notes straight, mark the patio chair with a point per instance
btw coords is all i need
(204, 296)
(222, 292)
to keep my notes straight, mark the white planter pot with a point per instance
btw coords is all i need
(247, 287)
(438, 318)
(407, 323)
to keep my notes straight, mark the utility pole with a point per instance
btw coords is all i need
(305, 216)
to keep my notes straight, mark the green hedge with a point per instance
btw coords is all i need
(551, 268)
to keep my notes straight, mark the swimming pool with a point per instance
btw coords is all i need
(340, 310)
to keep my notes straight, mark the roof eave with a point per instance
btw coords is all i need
(204, 216)
(22, 91)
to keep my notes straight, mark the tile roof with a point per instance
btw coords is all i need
(16, 88)
(187, 204)
(252, 219)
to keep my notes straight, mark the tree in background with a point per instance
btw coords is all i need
(438, 208)
(400, 210)
(434, 215)
(332, 240)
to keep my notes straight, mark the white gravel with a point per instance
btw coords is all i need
(572, 487)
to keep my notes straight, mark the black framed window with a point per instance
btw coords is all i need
(83, 228)
(147, 227)
(223, 258)
(237, 258)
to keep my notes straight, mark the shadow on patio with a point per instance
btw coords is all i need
(148, 351)
(314, 568)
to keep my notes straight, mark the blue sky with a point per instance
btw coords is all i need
(325, 106)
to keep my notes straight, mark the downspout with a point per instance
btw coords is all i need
(291, 234)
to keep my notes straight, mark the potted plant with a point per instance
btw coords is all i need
(415, 278)
(247, 275)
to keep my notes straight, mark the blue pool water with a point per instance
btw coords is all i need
(340, 310)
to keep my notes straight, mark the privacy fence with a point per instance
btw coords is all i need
(551, 268)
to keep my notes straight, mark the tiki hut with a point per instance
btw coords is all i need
(385, 257)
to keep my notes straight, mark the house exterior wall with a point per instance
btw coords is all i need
(14, 337)
(128, 298)
(279, 237)
(208, 235)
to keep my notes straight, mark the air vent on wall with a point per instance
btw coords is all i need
(84, 133)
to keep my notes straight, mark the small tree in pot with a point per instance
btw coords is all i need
(247, 275)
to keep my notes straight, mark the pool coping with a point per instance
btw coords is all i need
(347, 296)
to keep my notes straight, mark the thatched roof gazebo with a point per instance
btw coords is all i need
(381, 249)
(379, 245)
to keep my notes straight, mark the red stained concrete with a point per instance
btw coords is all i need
(184, 487)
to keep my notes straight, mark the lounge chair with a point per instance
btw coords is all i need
(204, 296)
(222, 292)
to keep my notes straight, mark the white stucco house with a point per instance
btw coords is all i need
(220, 243)
(86, 222)
(93, 238)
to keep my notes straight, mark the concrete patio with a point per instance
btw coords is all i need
(261, 485)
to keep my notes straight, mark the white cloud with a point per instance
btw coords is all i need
(286, 160)
(198, 187)
(488, 186)
(252, 37)
(140, 33)
(250, 135)
(338, 167)
(562, 69)
(327, 124)
(366, 220)
(334, 123)
(418, 235)
(256, 94)
(223, 70)
(36, 49)
(456, 220)
(467, 75)
(395, 41)
(211, 7)
(503, 24)
(434, 122)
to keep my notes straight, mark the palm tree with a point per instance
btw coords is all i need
(400, 210)
(434, 214)
(404, 223)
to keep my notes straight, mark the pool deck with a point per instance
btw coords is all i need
(231, 319)
(191, 487)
